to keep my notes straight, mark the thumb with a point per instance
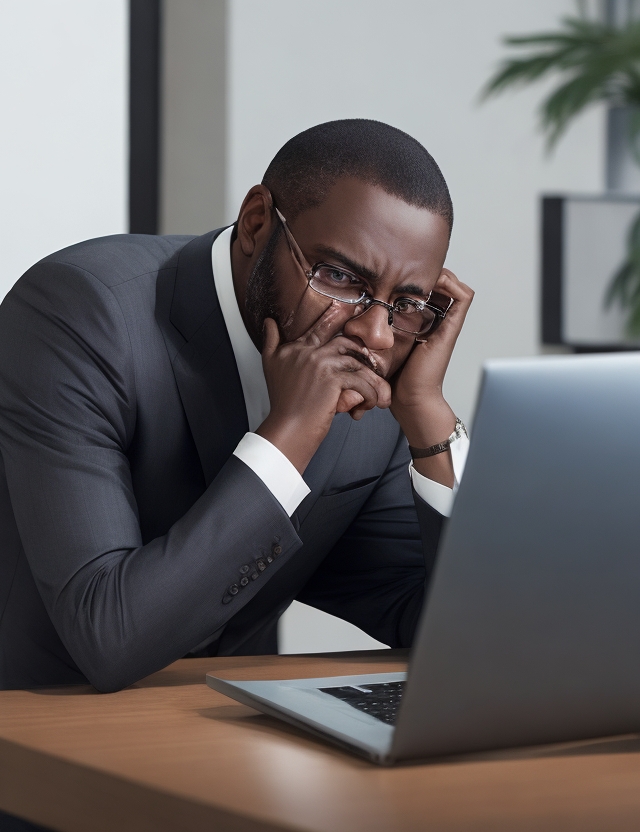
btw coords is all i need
(270, 337)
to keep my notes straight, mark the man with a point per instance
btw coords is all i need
(161, 495)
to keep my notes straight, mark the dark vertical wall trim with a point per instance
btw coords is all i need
(144, 115)
(552, 212)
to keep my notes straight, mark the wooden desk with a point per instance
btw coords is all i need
(171, 754)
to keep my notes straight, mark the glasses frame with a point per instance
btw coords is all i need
(439, 309)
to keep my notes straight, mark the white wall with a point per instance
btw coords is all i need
(63, 145)
(419, 65)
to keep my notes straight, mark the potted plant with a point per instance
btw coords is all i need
(594, 61)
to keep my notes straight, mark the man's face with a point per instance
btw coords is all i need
(396, 249)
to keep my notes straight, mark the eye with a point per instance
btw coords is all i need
(339, 277)
(406, 305)
(337, 283)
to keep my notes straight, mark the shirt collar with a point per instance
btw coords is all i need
(248, 359)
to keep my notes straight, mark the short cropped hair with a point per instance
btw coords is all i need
(308, 165)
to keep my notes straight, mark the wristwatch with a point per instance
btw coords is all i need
(458, 431)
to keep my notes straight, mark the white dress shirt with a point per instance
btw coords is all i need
(264, 459)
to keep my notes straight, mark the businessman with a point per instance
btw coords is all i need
(196, 431)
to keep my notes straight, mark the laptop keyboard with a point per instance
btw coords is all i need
(381, 701)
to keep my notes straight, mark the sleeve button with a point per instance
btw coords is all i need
(244, 581)
(244, 570)
(277, 550)
(234, 589)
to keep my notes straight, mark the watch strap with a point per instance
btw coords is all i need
(440, 447)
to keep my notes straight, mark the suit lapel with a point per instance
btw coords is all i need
(203, 362)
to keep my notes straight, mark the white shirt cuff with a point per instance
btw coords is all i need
(438, 496)
(274, 469)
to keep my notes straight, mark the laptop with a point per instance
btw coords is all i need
(530, 631)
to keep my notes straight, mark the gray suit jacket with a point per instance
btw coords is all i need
(129, 533)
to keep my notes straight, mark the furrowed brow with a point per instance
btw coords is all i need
(333, 255)
(339, 258)
(412, 289)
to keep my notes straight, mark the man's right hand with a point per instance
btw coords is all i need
(313, 378)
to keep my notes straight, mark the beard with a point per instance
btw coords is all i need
(261, 299)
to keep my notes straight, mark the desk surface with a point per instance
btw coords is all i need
(171, 754)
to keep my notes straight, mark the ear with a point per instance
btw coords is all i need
(255, 220)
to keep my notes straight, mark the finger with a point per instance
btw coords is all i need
(347, 346)
(325, 327)
(270, 338)
(360, 387)
(357, 413)
(365, 384)
(449, 285)
(351, 366)
(462, 295)
(348, 400)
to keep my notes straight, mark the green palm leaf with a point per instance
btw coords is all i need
(624, 288)
(593, 62)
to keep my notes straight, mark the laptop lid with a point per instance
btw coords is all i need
(531, 630)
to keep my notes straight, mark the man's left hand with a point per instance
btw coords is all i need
(417, 400)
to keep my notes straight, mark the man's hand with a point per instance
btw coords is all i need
(418, 403)
(313, 378)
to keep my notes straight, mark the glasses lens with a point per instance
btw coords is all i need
(408, 317)
(335, 283)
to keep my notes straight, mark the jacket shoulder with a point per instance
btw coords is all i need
(120, 257)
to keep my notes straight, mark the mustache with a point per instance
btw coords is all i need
(366, 360)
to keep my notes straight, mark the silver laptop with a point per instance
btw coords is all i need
(531, 629)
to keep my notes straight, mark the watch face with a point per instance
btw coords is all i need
(460, 430)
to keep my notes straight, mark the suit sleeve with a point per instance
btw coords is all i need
(67, 418)
(376, 575)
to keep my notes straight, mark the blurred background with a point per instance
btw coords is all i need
(156, 117)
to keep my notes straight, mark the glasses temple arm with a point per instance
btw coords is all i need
(293, 245)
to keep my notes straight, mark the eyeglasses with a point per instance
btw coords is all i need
(411, 315)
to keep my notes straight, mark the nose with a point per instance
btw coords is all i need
(372, 327)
